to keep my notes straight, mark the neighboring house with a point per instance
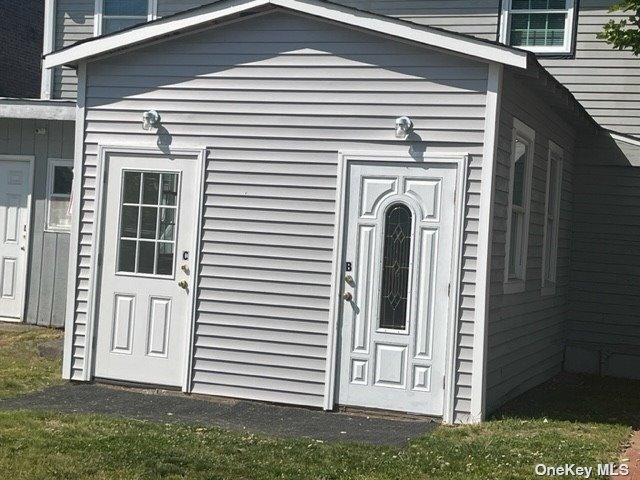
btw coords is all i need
(276, 229)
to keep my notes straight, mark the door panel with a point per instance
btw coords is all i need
(144, 306)
(15, 188)
(399, 234)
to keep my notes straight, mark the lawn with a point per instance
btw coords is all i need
(535, 429)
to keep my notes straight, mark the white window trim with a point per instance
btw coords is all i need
(52, 164)
(548, 286)
(99, 9)
(525, 134)
(565, 49)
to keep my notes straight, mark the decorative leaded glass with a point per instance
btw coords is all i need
(395, 267)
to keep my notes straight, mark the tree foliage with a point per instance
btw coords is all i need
(625, 33)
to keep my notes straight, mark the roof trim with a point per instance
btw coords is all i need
(33, 109)
(620, 137)
(219, 11)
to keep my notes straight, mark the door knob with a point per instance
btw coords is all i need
(183, 284)
(347, 296)
(185, 268)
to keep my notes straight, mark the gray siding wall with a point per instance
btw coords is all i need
(275, 99)
(602, 332)
(526, 330)
(49, 252)
(604, 80)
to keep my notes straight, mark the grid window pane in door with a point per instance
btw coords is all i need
(148, 215)
(395, 268)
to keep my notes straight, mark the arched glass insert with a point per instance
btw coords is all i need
(395, 267)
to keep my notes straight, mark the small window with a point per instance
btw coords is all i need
(552, 218)
(519, 207)
(148, 216)
(59, 184)
(115, 15)
(542, 26)
(395, 268)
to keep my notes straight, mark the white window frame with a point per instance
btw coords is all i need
(548, 286)
(152, 14)
(52, 164)
(526, 135)
(569, 28)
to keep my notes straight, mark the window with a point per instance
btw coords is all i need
(59, 182)
(115, 15)
(519, 207)
(395, 267)
(148, 212)
(542, 26)
(551, 218)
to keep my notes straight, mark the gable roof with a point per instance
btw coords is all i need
(223, 10)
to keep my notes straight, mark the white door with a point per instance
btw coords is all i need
(399, 235)
(144, 306)
(15, 191)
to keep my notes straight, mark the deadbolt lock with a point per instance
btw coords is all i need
(347, 296)
(183, 284)
(185, 268)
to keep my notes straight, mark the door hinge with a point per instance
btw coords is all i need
(444, 381)
(100, 260)
(449, 290)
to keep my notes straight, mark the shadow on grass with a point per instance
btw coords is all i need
(581, 398)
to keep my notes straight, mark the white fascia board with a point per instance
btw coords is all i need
(34, 110)
(625, 139)
(215, 12)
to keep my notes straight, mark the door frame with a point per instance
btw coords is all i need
(199, 155)
(345, 158)
(27, 248)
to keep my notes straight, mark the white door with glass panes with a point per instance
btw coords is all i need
(15, 190)
(399, 247)
(146, 277)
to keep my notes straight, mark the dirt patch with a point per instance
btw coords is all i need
(631, 458)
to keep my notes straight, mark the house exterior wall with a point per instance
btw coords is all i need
(526, 330)
(48, 251)
(602, 79)
(275, 99)
(602, 329)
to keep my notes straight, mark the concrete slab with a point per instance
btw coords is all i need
(237, 415)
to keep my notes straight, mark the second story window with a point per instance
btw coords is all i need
(115, 15)
(542, 26)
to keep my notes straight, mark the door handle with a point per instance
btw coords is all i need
(347, 296)
(183, 284)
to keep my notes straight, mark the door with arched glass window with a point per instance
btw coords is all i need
(399, 249)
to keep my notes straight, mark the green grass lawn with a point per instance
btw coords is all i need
(535, 429)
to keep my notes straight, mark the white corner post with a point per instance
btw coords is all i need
(48, 45)
(487, 194)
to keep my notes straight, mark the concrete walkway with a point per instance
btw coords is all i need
(171, 407)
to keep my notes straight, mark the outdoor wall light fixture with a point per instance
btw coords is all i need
(404, 126)
(150, 119)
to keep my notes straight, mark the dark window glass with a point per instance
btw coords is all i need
(131, 187)
(62, 180)
(395, 268)
(130, 8)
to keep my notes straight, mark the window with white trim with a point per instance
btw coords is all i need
(59, 184)
(541, 26)
(517, 238)
(115, 15)
(552, 218)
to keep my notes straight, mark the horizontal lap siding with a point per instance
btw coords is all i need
(605, 267)
(526, 329)
(275, 99)
(74, 22)
(604, 80)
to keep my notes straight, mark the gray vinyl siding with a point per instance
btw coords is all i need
(48, 251)
(604, 80)
(274, 123)
(525, 330)
(602, 327)
(74, 22)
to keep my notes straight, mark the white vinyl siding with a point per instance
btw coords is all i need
(275, 99)
(551, 216)
(522, 151)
